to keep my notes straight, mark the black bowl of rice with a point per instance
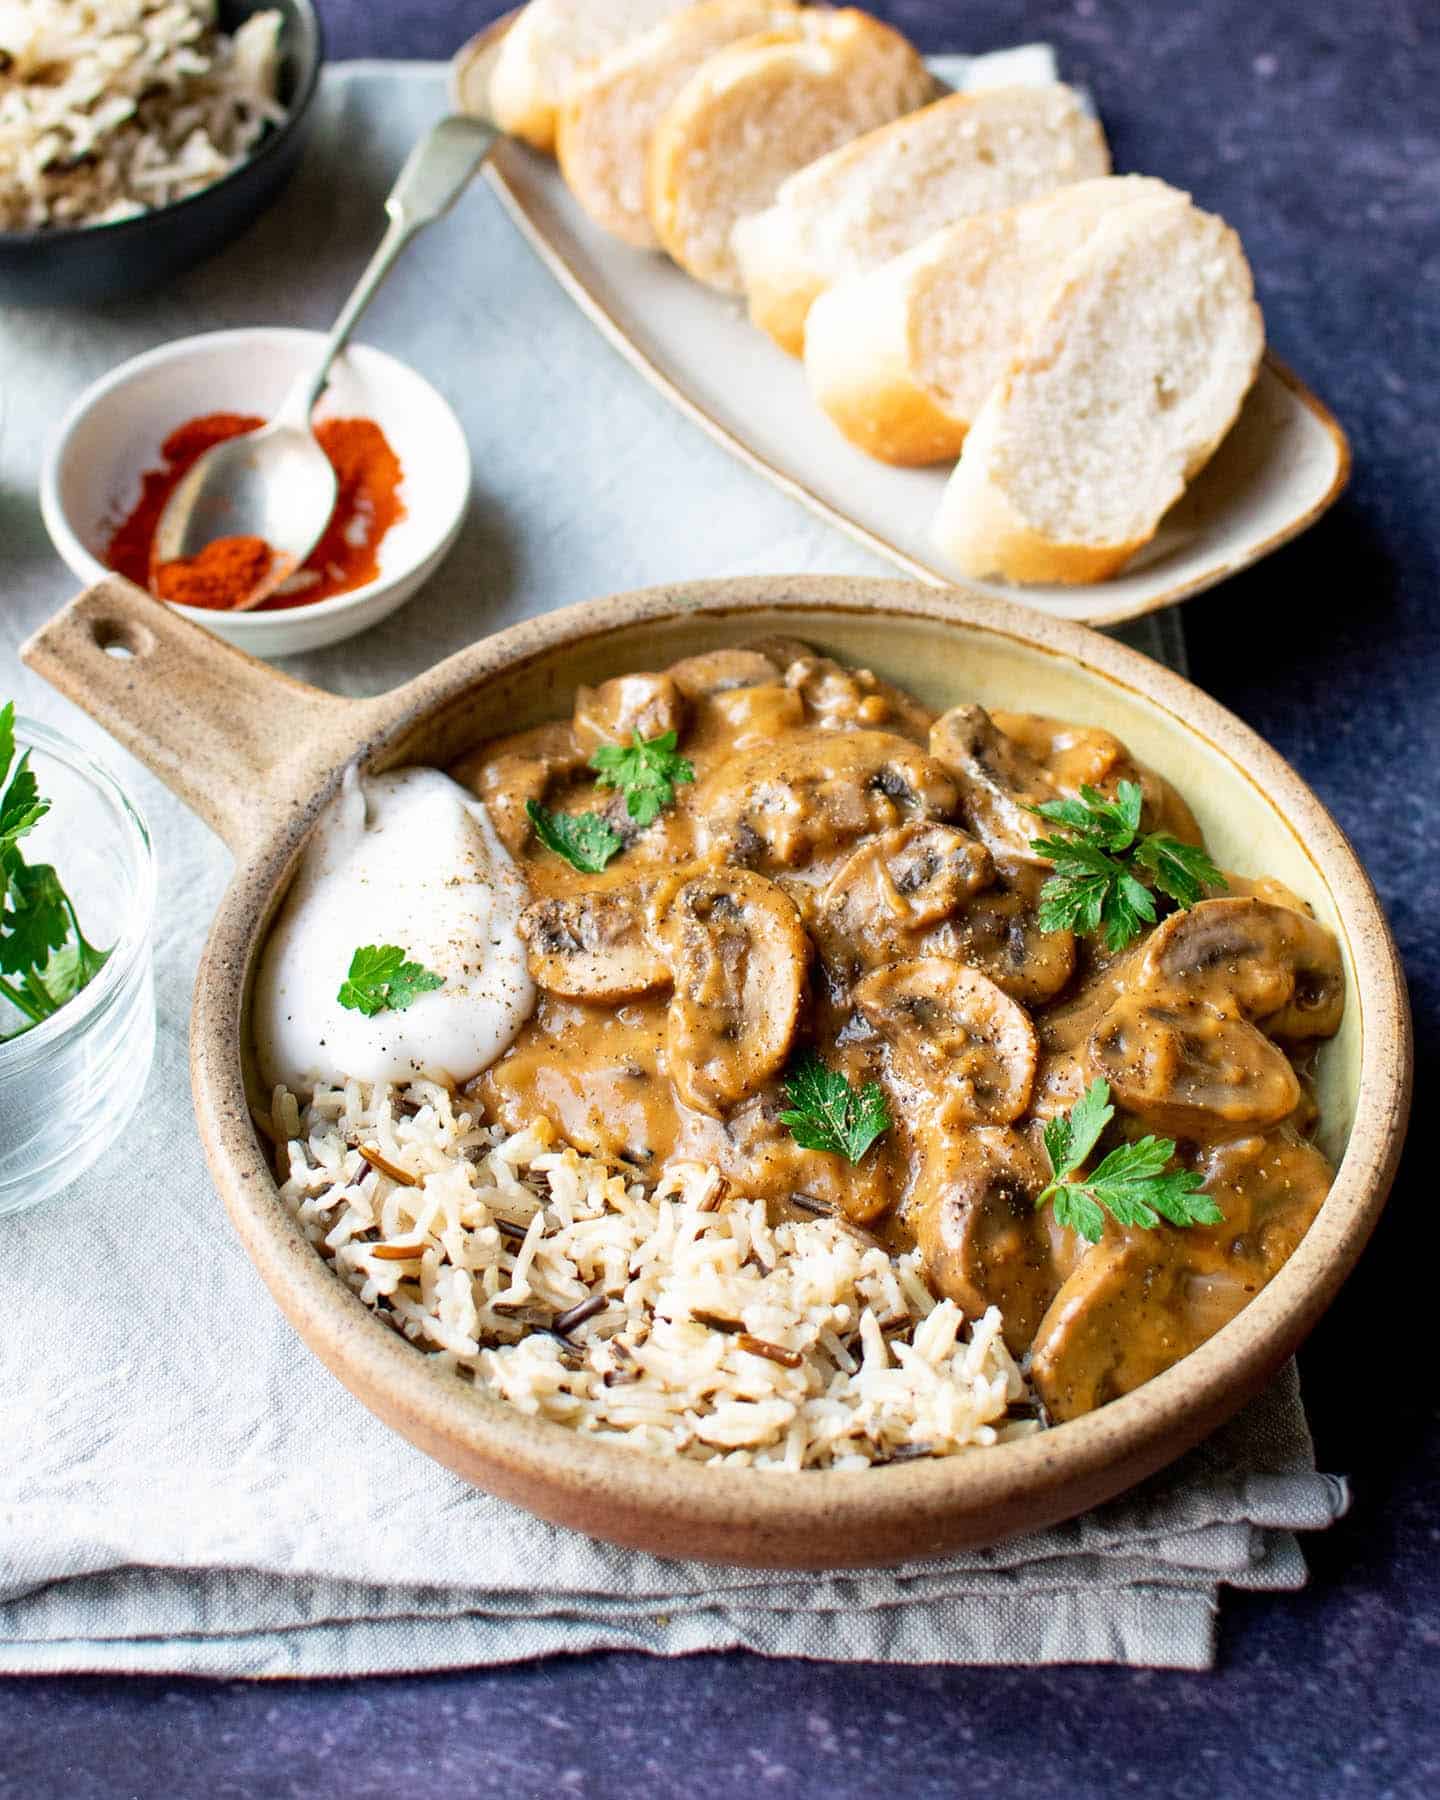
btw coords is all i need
(139, 136)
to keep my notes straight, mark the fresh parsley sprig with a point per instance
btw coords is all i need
(1134, 1183)
(45, 958)
(381, 979)
(645, 771)
(826, 1113)
(1092, 886)
(587, 841)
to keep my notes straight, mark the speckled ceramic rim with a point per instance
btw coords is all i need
(259, 755)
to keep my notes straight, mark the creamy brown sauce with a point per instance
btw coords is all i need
(850, 873)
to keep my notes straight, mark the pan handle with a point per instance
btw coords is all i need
(222, 730)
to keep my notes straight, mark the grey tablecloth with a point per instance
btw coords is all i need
(183, 1487)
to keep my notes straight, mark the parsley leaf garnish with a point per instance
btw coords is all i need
(645, 772)
(828, 1114)
(1183, 871)
(587, 841)
(381, 980)
(41, 943)
(37, 921)
(1134, 1183)
(1092, 887)
(71, 968)
(22, 809)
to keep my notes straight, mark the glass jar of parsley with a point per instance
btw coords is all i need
(77, 1001)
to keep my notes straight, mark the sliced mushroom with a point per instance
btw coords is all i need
(997, 931)
(740, 718)
(738, 953)
(778, 805)
(615, 711)
(764, 1160)
(1186, 1068)
(839, 698)
(975, 1221)
(999, 781)
(782, 650)
(881, 900)
(1276, 966)
(1075, 756)
(1265, 887)
(716, 671)
(593, 946)
(528, 765)
(1141, 1300)
(954, 1033)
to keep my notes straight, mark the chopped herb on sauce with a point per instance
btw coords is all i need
(1134, 1183)
(585, 840)
(1092, 888)
(826, 1113)
(645, 772)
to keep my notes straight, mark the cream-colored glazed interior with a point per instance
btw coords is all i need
(944, 663)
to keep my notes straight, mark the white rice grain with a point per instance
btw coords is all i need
(882, 1369)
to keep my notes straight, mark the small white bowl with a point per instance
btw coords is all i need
(114, 431)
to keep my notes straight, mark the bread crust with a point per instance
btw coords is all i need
(516, 95)
(982, 532)
(877, 405)
(840, 50)
(782, 281)
(979, 531)
(600, 170)
(778, 284)
(870, 339)
(523, 100)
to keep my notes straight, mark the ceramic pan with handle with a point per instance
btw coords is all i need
(258, 755)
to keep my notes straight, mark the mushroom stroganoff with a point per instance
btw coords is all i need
(965, 990)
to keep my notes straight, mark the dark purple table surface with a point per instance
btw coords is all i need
(1314, 126)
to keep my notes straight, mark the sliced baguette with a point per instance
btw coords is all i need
(548, 45)
(611, 111)
(903, 358)
(757, 111)
(1120, 393)
(876, 196)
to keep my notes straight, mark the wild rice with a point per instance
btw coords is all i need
(681, 1319)
(109, 108)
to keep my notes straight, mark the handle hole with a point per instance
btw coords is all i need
(122, 639)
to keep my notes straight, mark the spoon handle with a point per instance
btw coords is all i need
(436, 172)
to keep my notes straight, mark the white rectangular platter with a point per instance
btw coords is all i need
(1284, 462)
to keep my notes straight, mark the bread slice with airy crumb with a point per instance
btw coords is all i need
(611, 111)
(878, 195)
(546, 48)
(1123, 387)
(757, 111)
(904, 357)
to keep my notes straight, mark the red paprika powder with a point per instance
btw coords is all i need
(224, 572)
(367, 504)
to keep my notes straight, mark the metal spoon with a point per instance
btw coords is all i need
(277, 483)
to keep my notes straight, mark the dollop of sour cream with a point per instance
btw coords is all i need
(409, 859)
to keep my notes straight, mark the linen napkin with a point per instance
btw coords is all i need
(185, 1489)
